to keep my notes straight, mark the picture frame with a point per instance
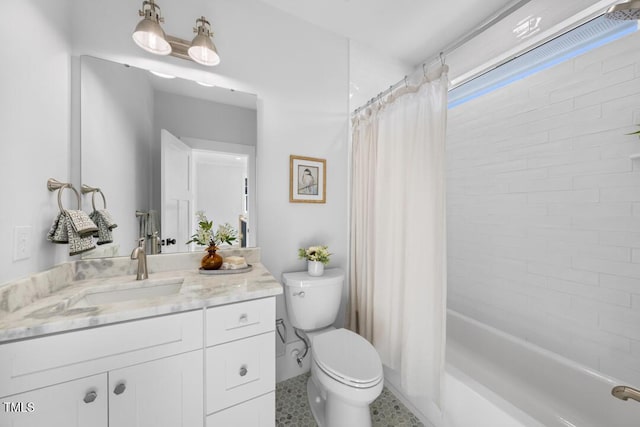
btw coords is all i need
(307, 179)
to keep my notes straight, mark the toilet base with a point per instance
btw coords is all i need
(330, 411)
(316, 402)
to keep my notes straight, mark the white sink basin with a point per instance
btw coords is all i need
(138, 289)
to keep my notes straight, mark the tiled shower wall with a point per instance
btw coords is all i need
(544, 209)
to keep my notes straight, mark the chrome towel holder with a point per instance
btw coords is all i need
(93, 190)
(54, 184)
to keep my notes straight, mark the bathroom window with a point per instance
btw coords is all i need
(582, 39)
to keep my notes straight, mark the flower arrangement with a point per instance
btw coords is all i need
(205, 236)
(315, 253)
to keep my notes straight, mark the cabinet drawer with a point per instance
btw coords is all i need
(258, 412)
(240, 370)
(240, 320)
(38, 362)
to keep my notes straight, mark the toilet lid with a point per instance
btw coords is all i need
(347, 357)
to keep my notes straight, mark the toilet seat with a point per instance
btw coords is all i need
(348, 358)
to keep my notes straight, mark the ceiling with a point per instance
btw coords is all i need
(409, 31)
(391, 39)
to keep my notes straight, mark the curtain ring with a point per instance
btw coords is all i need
(406, 85)
(442, 58)
(424, 70)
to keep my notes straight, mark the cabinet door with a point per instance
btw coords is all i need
(78, 403)
(162, 393)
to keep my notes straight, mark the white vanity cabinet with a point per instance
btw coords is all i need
(240, 364)
(78, 403)
(143, 373)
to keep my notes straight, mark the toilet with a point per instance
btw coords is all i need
(346, 372)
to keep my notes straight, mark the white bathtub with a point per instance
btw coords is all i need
(522, 384)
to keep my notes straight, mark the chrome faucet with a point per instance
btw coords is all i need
(139, 254)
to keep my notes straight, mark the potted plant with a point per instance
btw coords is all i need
(204, 236)
(317, 257)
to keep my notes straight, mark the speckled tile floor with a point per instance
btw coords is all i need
(292, 407)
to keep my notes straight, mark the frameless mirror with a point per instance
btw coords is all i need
(159, 150)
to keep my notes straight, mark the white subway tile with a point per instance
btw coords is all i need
(621, 283)
(543, 209)
(593, 167)
(594, 209)
(604, 223)
(606, 295)
(551, 184)
(620, 194)
(563, 276)
(621, 328)
(608, 93)
(626, 179)
(620, 238)
(572, 196)
(609, 267)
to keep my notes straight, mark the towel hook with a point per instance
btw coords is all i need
(93, 190)
(54, 184)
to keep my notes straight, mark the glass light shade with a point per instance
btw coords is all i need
(203, 51)
(150, 37)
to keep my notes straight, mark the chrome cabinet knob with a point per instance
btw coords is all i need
(299, 294)
(90, 397)
(243, 371)
(243, 318)
(120, 388)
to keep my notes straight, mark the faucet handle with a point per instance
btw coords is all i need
(141, 242)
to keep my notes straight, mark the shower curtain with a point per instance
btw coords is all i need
(398, 255)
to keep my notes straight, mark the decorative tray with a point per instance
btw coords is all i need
(248, 268)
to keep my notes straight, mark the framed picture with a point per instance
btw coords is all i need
(307, 180)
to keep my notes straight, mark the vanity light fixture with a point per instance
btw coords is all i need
(202, 49)
(148, 34)
(150, 37)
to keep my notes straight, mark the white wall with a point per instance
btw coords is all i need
(117, 134)
(544, 205)
(35, 105)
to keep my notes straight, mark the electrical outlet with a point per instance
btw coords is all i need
(21, 242)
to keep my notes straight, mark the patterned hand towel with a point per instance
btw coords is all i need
(79, 243)
(81, 223)
(58, 232)
(105, 224)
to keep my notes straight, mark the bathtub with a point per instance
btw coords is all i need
(494, 379)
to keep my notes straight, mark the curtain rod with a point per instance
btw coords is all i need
(498, 16)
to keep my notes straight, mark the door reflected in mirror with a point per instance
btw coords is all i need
(162, 149)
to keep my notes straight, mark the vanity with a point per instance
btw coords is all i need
(84, 344)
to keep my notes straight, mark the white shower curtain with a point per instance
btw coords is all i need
(398, 254)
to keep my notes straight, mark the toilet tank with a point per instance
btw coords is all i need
(313, 302)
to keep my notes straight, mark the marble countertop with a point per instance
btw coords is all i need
(66, 308)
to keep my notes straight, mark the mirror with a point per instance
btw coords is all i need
(160, 150)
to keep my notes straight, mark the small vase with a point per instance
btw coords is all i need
(315, 268)
(211, 261)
